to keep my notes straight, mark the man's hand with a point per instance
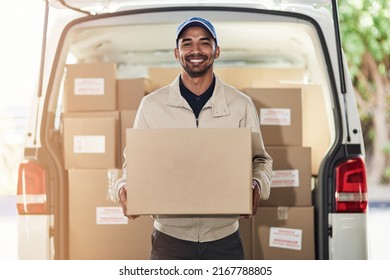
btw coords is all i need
(123, 203)
(255, 199)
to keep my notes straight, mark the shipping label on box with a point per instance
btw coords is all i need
(286, 238)
(284, 233)
(91, 140)
(280, 114)
(291, 177)
(285, 178)
(89, 144)
(110, 216)
(89, 86)
(93, 222)
(275, 116)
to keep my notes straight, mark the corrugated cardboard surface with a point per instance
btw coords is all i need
(111, 240)
(103, 99)
(280, 98)
(189, 171)
(286, 220)
(105, 125)
(130, 92)
(291, 158)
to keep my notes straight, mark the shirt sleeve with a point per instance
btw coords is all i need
(262, 161)
(139, 122)
(121, 182)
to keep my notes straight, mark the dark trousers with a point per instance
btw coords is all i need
(165, 247)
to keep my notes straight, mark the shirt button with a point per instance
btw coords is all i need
(198, 98)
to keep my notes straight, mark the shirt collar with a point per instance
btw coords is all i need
(217, 102)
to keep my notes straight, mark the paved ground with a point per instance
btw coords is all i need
(378, 225)
(8, 228)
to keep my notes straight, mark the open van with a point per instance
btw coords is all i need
(101, 57)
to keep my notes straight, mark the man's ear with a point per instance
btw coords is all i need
(176, 51)
(217, 52)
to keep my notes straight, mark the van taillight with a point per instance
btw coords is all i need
(351, 186)
(31, 190)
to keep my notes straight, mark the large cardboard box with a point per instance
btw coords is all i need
(280, 113)
(284, 233)
(189, 171)
(291, 177)
(243, 77)
(91, 140)
(127, 118)
(90, 87)
(238, 77)
(314, 118)
(98, 229)
(131, 91)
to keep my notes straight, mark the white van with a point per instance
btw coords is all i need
(101, 57)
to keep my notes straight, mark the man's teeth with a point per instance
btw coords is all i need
(196, 60)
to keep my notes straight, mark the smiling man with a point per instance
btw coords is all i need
(198, 98)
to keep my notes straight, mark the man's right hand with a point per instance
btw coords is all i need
(123, 203)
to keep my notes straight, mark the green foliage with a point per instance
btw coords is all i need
(365, 27)
(386, 148)
(365, 37)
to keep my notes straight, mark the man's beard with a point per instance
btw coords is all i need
(196, 73)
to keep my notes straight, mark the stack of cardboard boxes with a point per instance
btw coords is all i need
(284, 225)
(97, 110)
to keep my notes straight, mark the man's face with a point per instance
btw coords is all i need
(196, 51)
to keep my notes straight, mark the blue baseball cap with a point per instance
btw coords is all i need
(196, 21)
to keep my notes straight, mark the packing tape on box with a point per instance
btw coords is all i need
(282, 213)
(113, 175)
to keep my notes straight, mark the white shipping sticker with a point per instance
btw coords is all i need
(285, 178)
(89, 86)
(110, 216)
(89, 144)
(275, 116)
(286, 238)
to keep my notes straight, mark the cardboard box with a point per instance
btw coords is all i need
(162, 76)
(243, 77)
(127, 118)
(189, 171)
(291, 181)
(314, 116)
(280, 113)
(90, 87)
(238, 77)
(284, 233)
(130, 92)
(91, 140)
(98, 230)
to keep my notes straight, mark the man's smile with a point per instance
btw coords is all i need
(196, 60)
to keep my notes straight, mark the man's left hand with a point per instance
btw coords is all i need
(256, 197)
